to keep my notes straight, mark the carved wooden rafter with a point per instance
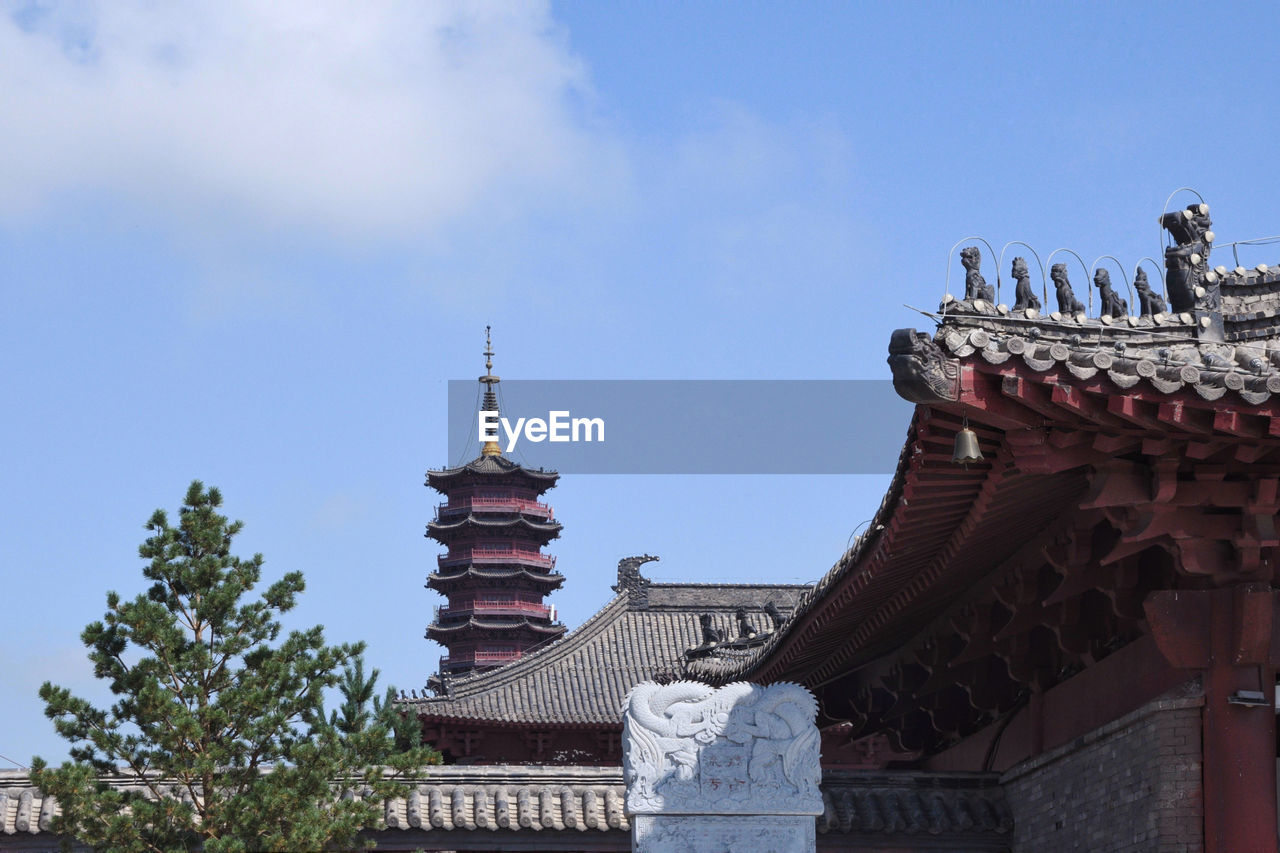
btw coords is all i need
(1041, 616)
(1171, 475)
(1182, 496)
(1219, 529)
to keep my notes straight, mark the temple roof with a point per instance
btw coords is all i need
(501, 799)
(583, 678)
(1218, 336)
(822, 645)
(492, 467)
(1143, 357)
(1051, 399)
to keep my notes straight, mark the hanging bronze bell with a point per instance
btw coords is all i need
(967, 449)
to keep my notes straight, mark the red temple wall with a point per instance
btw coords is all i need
(497, 744)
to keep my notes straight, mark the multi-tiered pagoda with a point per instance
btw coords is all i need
(494, 573)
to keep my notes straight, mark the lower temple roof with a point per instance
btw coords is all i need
(502, 799)
(642, 633)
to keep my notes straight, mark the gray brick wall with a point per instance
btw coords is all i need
(1131, 785)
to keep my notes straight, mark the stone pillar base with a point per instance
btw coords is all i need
(723, 834)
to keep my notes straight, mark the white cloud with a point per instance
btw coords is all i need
(352, 118)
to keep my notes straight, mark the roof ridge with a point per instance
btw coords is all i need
(733, 585)
(505, 466)
(582, 798)
(567, 644)
(571, 641)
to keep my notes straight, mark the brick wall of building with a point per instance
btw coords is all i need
(1131, 785)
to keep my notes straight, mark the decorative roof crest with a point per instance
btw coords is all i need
(630, 581)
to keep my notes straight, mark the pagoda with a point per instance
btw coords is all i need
(494, 574)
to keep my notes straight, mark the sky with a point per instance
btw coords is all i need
(250, 243)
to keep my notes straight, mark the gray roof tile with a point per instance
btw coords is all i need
(584, 678)
(589, 799)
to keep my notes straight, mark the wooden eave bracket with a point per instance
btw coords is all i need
(1182, 623)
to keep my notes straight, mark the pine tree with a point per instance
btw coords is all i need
(357, 693)
(374, 728)
(216, 737)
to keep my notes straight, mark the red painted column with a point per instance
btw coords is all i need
(1239, 740)
(1228, 634)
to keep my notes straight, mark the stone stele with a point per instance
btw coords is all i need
(734, 769)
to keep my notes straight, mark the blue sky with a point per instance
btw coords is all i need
(250, 243)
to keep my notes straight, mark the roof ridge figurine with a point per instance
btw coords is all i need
(1068, 305)
(1150, 303)
(975, 286)
(1025, 295)
(1112, 305)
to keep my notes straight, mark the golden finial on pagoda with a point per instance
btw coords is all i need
(489, 448)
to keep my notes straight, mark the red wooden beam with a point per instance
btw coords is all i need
(1084, 406)
(1134, 411)
(1032, 396)
(1201, 450)
(1118, 484)
(1252, 454)
(1185, 419)
(1235, 423)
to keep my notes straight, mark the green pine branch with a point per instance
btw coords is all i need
(217, 737)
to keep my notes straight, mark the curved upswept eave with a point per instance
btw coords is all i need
(488, 524)
(492, 469)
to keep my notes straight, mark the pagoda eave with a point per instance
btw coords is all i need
(492, 471)
(547, 580)
(517, 528)
(490, 523)
(489, 625)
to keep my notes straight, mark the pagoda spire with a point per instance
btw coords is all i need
(490, 448)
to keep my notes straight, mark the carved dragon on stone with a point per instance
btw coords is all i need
(668, 728)
(921, 372)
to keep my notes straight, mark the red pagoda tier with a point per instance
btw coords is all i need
(494, 574)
